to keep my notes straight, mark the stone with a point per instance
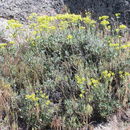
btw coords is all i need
(21, 9)
(101, 7)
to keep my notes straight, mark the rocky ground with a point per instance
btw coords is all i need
(121, 121)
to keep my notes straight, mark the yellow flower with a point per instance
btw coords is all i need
(122, 26)
(80, 80)
(89, 21)
(125, 46)
(43, 95)
(107, 74)
(104, 22)
(48, 102)
(120, 72)
(38, 37)
(52, 27)
(81, 27)
(32, 97)
(81, 95)
(63, 25)
(117, 48)
(14, 24)
(94, 82)
(33, 43)
(123, 74)
(34, 33)
(103, 17)
(46, 97)
(117, 30)
(11, 42)
(2, 45)
(119, 36)
(127, 74)
(117, 14)
(108, 27)
(82, 91)
(69, 37)
(114, 45)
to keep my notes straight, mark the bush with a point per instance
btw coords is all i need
(66, 68)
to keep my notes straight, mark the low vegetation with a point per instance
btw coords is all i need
(64, 71)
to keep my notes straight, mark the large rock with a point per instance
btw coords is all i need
(20, 9)
(4, 33)
(100, 7)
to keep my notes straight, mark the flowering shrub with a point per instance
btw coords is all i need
(66, 66)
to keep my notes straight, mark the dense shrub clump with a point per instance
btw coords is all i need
(66, 69)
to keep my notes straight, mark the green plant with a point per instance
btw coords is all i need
(66, 66)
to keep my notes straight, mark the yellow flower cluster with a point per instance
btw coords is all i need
(32, 97)
(103, 17)
(104, 22)
(89, 21)
(107, 74)
(3, 45)
(81, 27)
(117, 30)
(12, 42)
(122, 27)
(119, 46)
(60, 21)
(82, 93)
(50, 22)
(45, 97)
(117, 15)
(69, 17)
(94, 82)
(42, 23)
(14, 24)
(69, 37)
(63, 25)
(125, 46)
(123, 74)
(114, 44)
(80, 80)
(108, 27)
